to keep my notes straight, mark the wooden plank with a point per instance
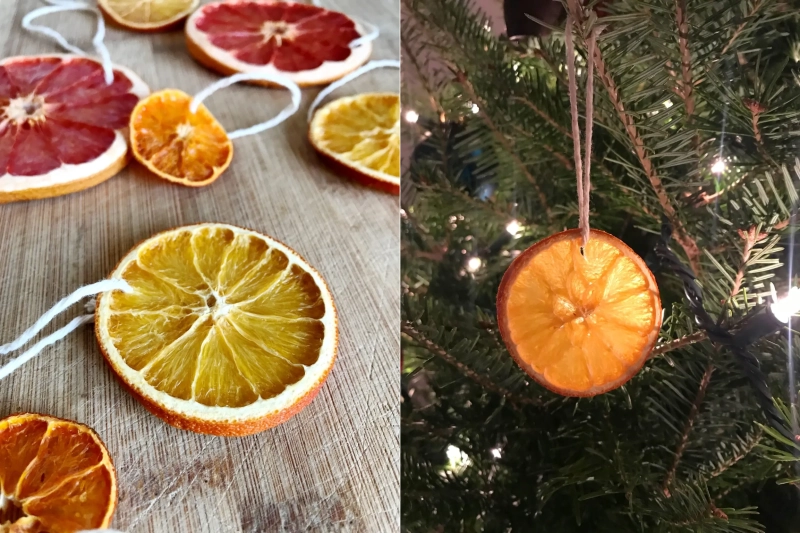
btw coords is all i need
(335, 466)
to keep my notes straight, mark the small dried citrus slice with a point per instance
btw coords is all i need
(360, 137)
(307, 44)
(579, 324)
(172, 142)
(226, 332)
(55, 476)
(61, 125)
(147, 15)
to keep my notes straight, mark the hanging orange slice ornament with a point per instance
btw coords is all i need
(147, 15)
(309, 45)
(62, 125)
(55, 475)
(579, 323)
(224, 331)
(178, 139)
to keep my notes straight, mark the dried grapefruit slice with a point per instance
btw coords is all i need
(180, 146)
(55, 476)
(307, 44)
(147, 15)
(61, 125)
(579, 325)
(227, 331)
(360, 137)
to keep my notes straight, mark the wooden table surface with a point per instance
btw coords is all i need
(333, 467)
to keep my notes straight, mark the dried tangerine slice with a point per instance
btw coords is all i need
(307, 44)
(55, 476)
(227, 331)
(192, 149)
(579, 324)
(61, 126)
(360, 137)
(147, 15)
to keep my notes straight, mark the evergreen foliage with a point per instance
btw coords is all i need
(681, 84)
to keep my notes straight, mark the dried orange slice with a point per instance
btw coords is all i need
(227, 331)
(359, 136)
(147, 15)
(308, 44)
(62, 127)
(192, 149)
(578, 324)
(55, 476)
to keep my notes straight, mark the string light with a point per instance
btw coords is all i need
(475, 109)
(412, 116)
(784, 307)
(496, 453)
(718, 167)
(457, 460)
(513, 227)
(473, 264)
(668, 103)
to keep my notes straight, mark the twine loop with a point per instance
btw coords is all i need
(57, 6)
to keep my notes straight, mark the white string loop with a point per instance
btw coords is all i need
(57, 6)
(81, 293)
(278, 79)
(372, 65)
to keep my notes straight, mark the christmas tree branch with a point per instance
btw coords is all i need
(738, 31)
(462, 78)
(547, 118)
(750, 238)
(695, 409)
(686, 86)
(686, 340)
(435, 349)
(741, 454)
(687, 243)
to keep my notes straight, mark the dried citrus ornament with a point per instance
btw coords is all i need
(147, 15)
(178, 139)
(580, 323)
(55, 475)
(308, 44)
(226, 331)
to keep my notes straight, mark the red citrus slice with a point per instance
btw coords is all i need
(61, 125)
(307, 44)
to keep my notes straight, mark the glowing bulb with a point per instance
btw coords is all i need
(412, 116)
(457, 459)
(475, 109)
(473, 264)
(513, 227)
(784, 307)
(496, 453)
(668, 103)
(718, 167)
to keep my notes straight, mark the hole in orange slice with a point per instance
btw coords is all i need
(227, 331)
(178, 145)
(360, 137)
(579, 324)
(55, 475)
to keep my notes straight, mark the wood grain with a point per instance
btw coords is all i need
(335, 466)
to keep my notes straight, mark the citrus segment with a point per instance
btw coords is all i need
(147, 15)
(580, 322)
(178, 145)
(55, 476)
(360, 136)
(226, 331)
(61, 124)
(308, 44)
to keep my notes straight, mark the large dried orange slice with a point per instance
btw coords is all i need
(62, 127)
(308, 44)
(227, 331)
(360, 137)
(147, 15)
(578, 323)
(172, 142)
(55, 476)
